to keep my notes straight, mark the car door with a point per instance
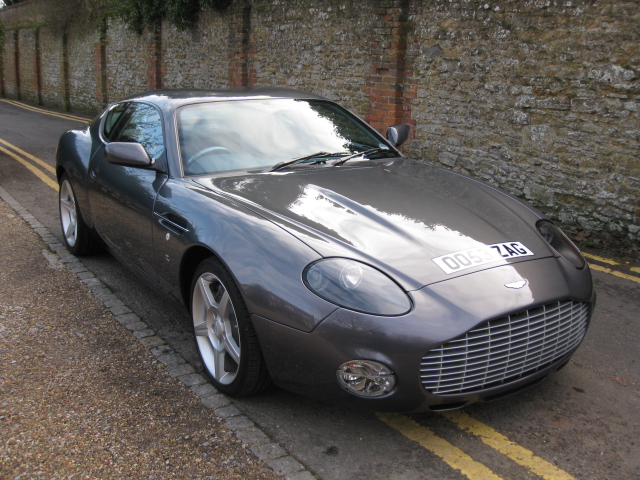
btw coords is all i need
(121, 197)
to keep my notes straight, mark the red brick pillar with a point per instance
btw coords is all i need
(391, 69)
(241, 72)
(155, 64)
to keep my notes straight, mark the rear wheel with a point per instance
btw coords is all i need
(78, 238)
(224, 334)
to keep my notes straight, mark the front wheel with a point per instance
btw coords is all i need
(78, 237)
(226, 340)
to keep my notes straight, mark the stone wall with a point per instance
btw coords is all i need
(539, 97)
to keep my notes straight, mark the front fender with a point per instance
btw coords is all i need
(265, 260)
(72, 158)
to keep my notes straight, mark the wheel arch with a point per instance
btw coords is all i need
(190, 261)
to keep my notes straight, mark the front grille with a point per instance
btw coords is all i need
(506, 349)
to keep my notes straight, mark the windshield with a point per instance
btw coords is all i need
(221, 136)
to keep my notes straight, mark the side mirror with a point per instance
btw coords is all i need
(398, 134)
(127, 154)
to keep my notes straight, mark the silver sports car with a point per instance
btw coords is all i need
(313, 255)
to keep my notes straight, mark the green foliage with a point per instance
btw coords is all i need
(141, 14)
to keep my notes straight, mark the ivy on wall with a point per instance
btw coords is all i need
(140, 14)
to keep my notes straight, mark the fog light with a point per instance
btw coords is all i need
(366, 378)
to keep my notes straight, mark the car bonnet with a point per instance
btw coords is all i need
(401, 216)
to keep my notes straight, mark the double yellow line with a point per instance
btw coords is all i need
(461, 461)
(40, 169)
(66, 116)
(31, 163)
(615, 273)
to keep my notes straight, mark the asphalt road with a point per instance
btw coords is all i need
(582, 423)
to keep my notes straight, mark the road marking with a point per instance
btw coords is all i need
(600, 259)
(44, 165)
(615, 273)
(451, 454)
(35, 170)
(502, 444)
(66, 116)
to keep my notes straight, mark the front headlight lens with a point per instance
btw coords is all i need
(356, 286)
(561, 243)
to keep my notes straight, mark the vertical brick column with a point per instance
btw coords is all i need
(241, 72)
(391, 67)
(102, 90)
(155, 64)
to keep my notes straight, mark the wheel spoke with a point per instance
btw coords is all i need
(225, 307)
(232, 347)
(201, 329)
(70, 232)
(220, 372)
(68, 205)
(207, 294)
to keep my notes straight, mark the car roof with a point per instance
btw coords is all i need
(176, 97)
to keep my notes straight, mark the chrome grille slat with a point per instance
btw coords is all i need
(505, 349)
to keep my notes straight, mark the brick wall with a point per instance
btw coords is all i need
(539, 97)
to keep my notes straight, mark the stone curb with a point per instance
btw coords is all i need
(258, 442)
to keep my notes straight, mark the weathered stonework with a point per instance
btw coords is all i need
(126, 60)
(539, 97)
(197, 58)
(27, 64)
(52, 72)
(322, 47)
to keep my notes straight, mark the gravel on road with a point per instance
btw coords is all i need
(81, 397)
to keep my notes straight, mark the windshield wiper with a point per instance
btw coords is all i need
(371, 151)
(281, 165)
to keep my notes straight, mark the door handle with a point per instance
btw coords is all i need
(172, 223)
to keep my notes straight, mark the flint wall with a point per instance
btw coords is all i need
(539, 97)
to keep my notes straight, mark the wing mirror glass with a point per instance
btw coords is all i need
(397, 134)
(128, 154)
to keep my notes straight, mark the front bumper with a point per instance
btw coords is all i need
(306, 363)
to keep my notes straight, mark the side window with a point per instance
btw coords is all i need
(114, 121)
(144, 126)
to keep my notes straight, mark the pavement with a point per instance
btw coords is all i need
(87, 390)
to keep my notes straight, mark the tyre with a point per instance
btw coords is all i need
(225, 337)
(78, 237)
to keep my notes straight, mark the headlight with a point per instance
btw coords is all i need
(366, 378)
(561, 243)
(355, 286)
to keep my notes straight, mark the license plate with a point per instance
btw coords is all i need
(472, 257)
